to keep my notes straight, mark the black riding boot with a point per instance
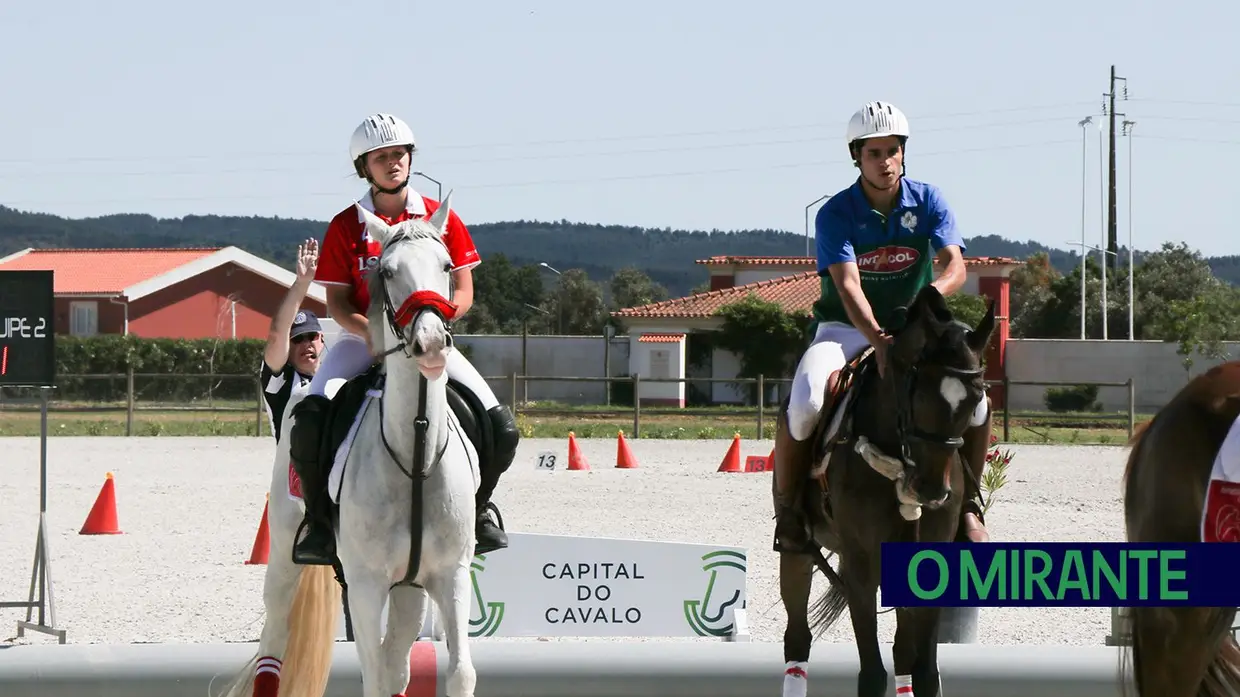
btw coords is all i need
(489, 534)
(306, 436)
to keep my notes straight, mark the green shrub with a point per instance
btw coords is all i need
(1076, 398)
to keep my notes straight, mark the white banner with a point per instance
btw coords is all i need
(556, 585)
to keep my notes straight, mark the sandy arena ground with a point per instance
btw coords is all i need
(189, 508)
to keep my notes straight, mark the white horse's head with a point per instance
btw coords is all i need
(410, 288)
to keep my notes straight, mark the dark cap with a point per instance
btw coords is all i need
(304, 323)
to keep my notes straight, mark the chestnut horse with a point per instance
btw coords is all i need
(1181, 651)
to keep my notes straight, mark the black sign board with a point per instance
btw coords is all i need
(27, 339)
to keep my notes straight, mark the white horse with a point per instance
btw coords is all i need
(409, 290)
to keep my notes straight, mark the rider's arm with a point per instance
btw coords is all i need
(463, 290)
(832, 231)
(340, 308)
(848, 280)
(276, 352)
(947, 242)
(335, 274)
(464, 258)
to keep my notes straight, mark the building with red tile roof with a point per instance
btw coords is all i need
(659, 332)
(204, 292)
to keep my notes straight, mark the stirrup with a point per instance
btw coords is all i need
(490, 506)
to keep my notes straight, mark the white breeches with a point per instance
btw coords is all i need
(834, 344)
(349, 357)
(460, 369)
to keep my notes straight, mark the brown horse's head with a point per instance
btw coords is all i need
(935, 382)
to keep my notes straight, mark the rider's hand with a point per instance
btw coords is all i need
(307, 259)
(880, 351)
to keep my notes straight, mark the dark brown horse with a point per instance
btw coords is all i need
(1181, 651)
(895, 474)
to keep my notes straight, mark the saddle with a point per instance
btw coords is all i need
(345, 404)
(835, 423)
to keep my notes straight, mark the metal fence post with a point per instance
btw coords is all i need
(258, 408)
(637, 406)
(1007, 401)
(513, 392)
(1132, 407)
(761, 404)
(129, 401)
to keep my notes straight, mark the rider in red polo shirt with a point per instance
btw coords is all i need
(381, 149)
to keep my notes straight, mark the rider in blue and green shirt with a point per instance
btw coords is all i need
(877, 241)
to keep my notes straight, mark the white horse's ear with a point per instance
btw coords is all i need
(439, 219)
(379, 230)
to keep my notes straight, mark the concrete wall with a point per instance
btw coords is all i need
(1155, 367)
(498, 356)
(660, 360)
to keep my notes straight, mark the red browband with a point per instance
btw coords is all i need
(423, 299)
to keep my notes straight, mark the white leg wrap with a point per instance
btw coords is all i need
(796, 679)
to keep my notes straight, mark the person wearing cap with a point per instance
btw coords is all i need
(294, 341)
(877, 241)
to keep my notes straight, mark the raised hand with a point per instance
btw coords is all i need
(307, 259)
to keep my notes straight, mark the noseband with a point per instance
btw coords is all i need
(906, 428)
(418, 302)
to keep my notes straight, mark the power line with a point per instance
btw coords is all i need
(529, 158)
(334, 153)
(549, 182)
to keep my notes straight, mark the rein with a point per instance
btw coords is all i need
(397, 319)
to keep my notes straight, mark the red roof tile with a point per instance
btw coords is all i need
(103, 271)
(795, 293)
(661, 338)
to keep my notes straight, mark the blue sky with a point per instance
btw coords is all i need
(680, 114)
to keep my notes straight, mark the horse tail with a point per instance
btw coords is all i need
(312, 633)
(1154, 666)
(832, 603)
(243, 683)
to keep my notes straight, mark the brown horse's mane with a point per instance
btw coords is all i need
(1214, 391)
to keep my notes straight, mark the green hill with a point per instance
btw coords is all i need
(666, 255)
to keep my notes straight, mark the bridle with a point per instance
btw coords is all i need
(906, 428)
(398, 319)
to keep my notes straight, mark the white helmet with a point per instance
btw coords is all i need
(875, 120)
(379, 131)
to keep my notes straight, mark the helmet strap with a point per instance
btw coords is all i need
(394, 190)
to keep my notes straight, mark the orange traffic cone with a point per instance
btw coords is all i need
(576, 461)
(624, 456)
(102, 517)
(732, 460)
(262, 540)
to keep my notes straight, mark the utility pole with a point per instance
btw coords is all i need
(1112, 237)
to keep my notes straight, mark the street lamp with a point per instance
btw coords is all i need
(1102, 252)
(1102, 222)
(1131, 302)
(1083, 123)
(426, 176)
(811, 205)
(550, 268)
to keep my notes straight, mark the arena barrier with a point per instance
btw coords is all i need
(560, 669)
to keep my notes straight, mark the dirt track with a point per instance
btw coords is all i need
(189, 508)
